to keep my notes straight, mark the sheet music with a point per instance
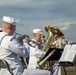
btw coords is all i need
(69, 54)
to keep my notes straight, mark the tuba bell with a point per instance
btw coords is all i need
(53, 32)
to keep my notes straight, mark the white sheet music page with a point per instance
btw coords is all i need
(69, 54)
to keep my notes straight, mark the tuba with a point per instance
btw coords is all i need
(53, 32)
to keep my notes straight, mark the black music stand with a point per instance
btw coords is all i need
(55, 56)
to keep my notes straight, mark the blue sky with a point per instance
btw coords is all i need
(33, 14)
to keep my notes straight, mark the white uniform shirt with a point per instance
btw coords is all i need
(35, 52)
(10, 50)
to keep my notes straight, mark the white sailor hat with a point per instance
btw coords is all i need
(37, 31)
(10, 20)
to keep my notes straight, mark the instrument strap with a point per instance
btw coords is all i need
(2, 38)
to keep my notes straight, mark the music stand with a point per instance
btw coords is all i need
(55, 56)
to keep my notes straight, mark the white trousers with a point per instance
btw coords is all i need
(27, 72)
(36, 72)
(56, 69)
(4, 72)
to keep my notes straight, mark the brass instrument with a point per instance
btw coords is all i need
(53, 32)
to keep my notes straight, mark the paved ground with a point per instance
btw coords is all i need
(69, 70)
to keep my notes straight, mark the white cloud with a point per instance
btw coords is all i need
(64, 26)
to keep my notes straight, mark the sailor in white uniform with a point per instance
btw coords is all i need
(62, 42)
(10, 48)
(35, 49)
(35, 53)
